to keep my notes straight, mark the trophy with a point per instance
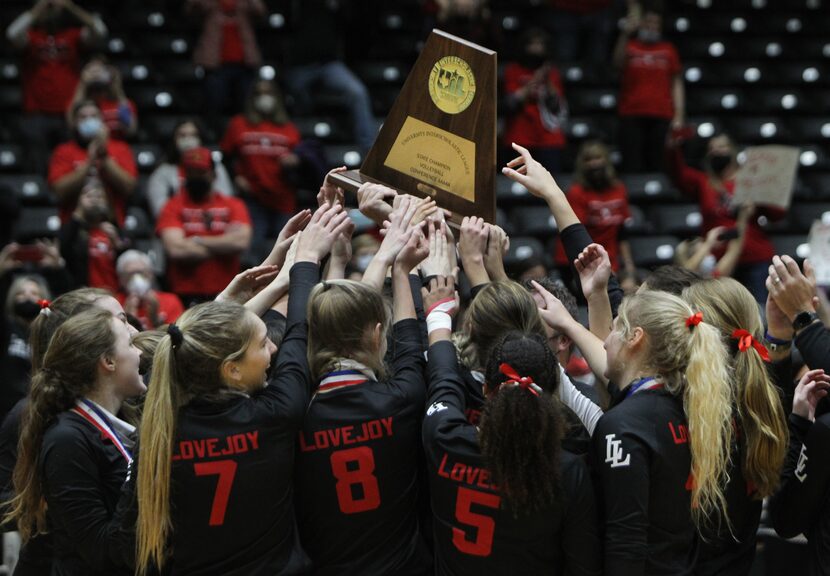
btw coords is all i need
(439, 139)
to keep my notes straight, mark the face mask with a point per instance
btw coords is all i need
(89, 128)
(648, 36)
(362, 261)
(719, 162)
(95, 214)
(597, 178)
(533, 60)
(197, 188)
(138, 285)
(186, 143)
(265, 103)
(27, 309)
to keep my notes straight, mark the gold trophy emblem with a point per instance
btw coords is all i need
(452, 85)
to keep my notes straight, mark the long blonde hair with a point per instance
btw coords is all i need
(212, 334)
(693, 363)
(340, 313)
(730, 306)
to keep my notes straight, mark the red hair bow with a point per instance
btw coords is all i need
(694, 320)
(745, 340)
(525, 382)
(44, 303)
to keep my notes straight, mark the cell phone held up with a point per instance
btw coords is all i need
(728, 234)
(28, 253)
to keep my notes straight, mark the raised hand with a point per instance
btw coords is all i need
(397, 229)
(413, 252)
(497, 246)
(438, 263)
(329, 192)
(440, 289)
(812, 387)
(594, 269)
(553, 313)
(326, 224)
(286, 237)
(473, 241)
(372, 201)
(531, 174)
(791, 289)
(247, 283)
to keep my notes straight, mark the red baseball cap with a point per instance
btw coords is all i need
(197, 158)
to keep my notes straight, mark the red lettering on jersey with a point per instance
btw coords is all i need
(680, 434)
(217, 447)
(211, 445)
(473, 416)
(465, 474)
(690, 482)
(253, 438)
(346, 435)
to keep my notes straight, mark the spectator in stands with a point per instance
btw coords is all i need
(526, 269)
(600, 201)
(536, 103)
(139, 295)
(51, 35)
(364, 247)
(227, 50)
(582, 29)
(713, 188)
(203, 232)
(314, 59)
(261, 144)
(91, 153)
(652, 95)
(469, 19)
(91, 240)
(698, 255)
(168, 177)
(101, 83)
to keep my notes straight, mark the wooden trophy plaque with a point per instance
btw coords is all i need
(439, 139)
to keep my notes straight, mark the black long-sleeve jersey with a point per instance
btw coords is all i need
(475, 532)
(232, 503)
(357, 470)
(641, 452)
(802, 503)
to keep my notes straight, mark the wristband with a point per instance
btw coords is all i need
(775, 344)
(438, 316)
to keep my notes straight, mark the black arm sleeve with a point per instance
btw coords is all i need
(581, 536)
(446, 403)
(805, 477)
(75, 251)
(408, 360)
(575, 239)
(814, 344)
(420, 313)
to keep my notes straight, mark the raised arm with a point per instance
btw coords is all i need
(594, 269)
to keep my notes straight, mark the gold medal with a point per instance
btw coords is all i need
(452, 85)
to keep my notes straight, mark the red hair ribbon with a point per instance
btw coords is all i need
(44, 303)
(525, 382)
(745, 340)
(694, 320)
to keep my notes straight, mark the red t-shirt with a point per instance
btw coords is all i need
(109, 111)
(258, 149)
(715, 209)
(51, 70)
(66, 158)
(647, 79)
(232, 51)
(170, 308)
(603, 213)
(101, 261)
(210, 218)
(525, 126)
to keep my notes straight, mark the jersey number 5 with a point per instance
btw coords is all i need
(226, 470)
(354, 467)
(483, 543)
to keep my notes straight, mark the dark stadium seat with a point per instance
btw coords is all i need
(651, 251)
(381, 73)
(339, 155)
(157, 98)
(326, 129)
(30, 189)
(137, 223)
(792, 245)
(592, 100)
(638, 224)
(592, 128)
(147, 156)
(677, 219)
(812, 129)
(37, 222)
(164, 45)
(715, 101)
(522, 248)
(650, 188)
(757, 130)
(818, 184)
(11, 157)
(803, 214)
(11, 98)
(175, 72)
(533, 221)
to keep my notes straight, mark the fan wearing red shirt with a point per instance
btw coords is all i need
(203, 232)
(600, 201)
(652, 95)
(713, 188)
(92, 154)
(261, 144)
(536, 102)
(102, 84)
(50, 35)
(138, 295)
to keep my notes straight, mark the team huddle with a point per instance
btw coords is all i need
(303, 423)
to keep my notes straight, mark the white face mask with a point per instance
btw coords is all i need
(186, 143)
(89, 128)
(265, 103)
(138, 285)
(362, 261)
(648, 36)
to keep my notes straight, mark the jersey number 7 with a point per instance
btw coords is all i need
(354, 467)
(226, 470)
(483, 543)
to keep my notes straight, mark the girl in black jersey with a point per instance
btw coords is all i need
(357, 465)
(214, 473)
(74, 448)
(506, 498)
(760, 441)
(662, 451)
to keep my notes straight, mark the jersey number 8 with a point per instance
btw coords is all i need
(355, 467)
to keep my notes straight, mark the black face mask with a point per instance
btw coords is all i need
(719, 162)
(533, 61)
(197, 188)
(27, 309)
(95, 214)
(597, 178)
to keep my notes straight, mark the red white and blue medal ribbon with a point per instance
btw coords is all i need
(341, 379)
(650, 383)
(96, 417)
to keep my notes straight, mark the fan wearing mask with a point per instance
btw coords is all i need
(91, 153)
(101, 83)
(139, 295)
(203, 232)
(600, 201)
(261, 144)
(652, 96)
(713, 188)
